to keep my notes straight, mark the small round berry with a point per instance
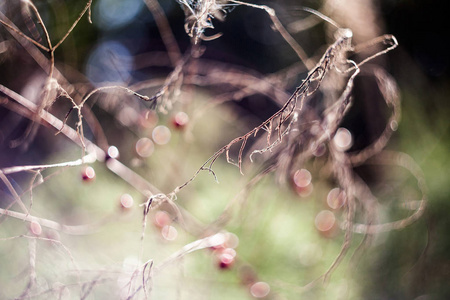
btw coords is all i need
(226, 257)
(231, 240)
(169, 232)
(343, 139)
(88, 174)
(336, 198)
(302, 178)
(326, 223)
(145, 147)
(162, 219)
(180, 120)
(224, 240)
(112, 152)
(217, 241)
(394, 125)
(161, 135)
(35, 228)
(148, 119)
(305, 191)
(260, 289)
(126, 201)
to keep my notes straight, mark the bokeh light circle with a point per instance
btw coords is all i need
(144, 147)
(302, 178)
(113, 14)
(169, 232)
(343, 139)
(126, 201)
(113, 152)
(325, 220)
(161, 135)
(335, 198)
(109, 62)
(260, 289)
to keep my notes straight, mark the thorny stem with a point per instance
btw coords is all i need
(341, 45)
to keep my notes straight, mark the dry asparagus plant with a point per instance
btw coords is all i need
(291, 138)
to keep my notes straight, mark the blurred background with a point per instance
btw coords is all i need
(275, 232)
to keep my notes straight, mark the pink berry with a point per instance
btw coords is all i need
(326, 224)
(112, 152)
(180, 120)
(302, 178)
(148, 119)
(126, 202)
(169, 232)
(88, 174)
(225, 257)
(162, 219)
(35, 228)
(260, 289)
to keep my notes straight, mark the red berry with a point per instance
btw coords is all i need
(148, 119)
(304, 191)
(35, 228)
(126, 202)
(302, 182)
(180, 120)
(225, 257)
(162, 219)
(343, 139)
(112, 152)
(225, 240)
(326, 224)
(88, 174)
(169, 232)
(161, 135)
(336, 198)
(302, 178)
(260, 289)
(145, 147)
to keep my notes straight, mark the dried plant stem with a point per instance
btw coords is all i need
(277, 120)
(115, 166)
(128, 175)
(13, 28)
(207, 242)
(90, 158)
